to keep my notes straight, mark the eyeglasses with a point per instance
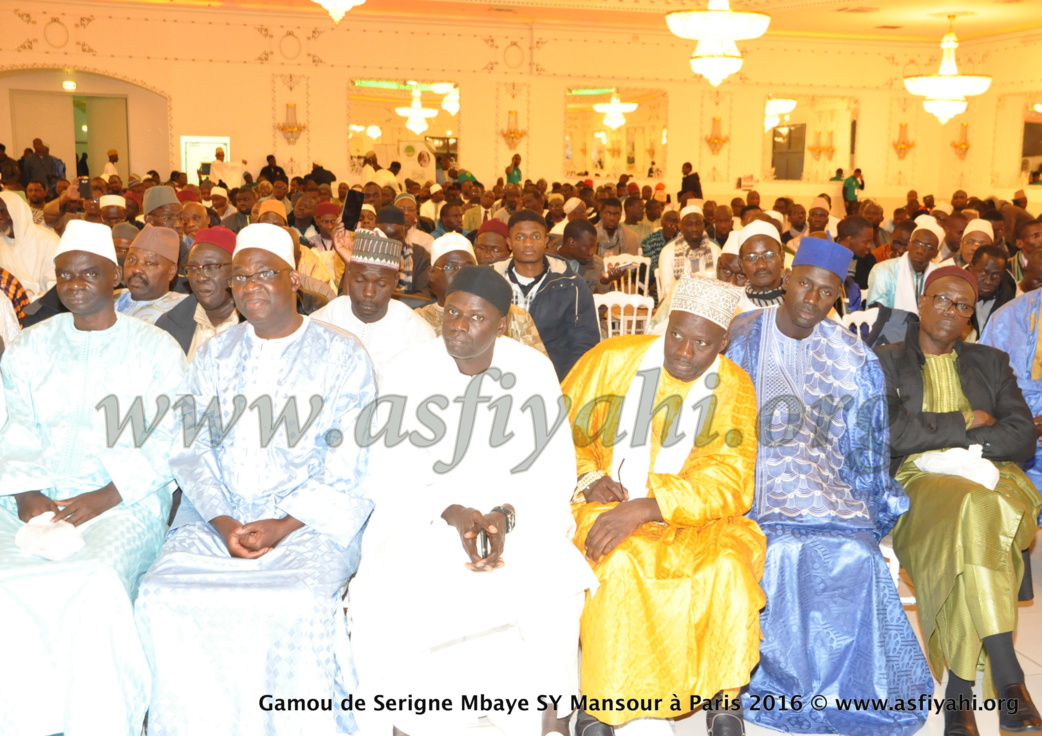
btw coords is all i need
(450, 268)
(922, 245)
(210, 269)
(943, 305)
(261, 277)
(768, 257)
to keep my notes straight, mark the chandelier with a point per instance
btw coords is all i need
(613, 111)
(416, 114)
(337, 9)
(947, 90)
(291, 129)
(717, 57)
(774, 109)
(450, 103)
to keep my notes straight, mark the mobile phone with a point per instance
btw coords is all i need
(484, 548)
(85, 192)
(352, 211)
(205, 169)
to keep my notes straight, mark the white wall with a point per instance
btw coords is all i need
(107, 129)
(232, 73)
(146, 120)
(44, 115)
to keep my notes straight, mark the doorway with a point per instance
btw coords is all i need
(100, 125)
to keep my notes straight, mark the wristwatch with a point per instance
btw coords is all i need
(508, 512)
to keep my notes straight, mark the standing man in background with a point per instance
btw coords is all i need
(851, 185)
(514, 170)
(110, 165)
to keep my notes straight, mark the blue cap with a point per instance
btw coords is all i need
(823, 254)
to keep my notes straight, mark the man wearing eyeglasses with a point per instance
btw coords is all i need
(964, 540)
(210, 309)
(67, 584)
(245, 598)
(898, 282)
(148, 270)
(559, 301)
(452, 252)
(763, 262)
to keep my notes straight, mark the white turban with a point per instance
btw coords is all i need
(714, 300)
(90, 237)
(572, 204)
(448, 243)
(731, 246)
(271, 238)
(979, 226)
(820, 203)
(758, 227)
(930, 224)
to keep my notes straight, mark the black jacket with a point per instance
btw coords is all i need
(989, 385)
(180, 321)
(563, 312)
(43, 308)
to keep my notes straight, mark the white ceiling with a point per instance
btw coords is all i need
(921, 20)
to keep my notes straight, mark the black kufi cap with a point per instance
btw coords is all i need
(486, 283)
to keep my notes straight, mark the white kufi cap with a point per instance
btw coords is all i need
(271, 238)
(90, 237)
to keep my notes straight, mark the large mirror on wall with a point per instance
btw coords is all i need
(413, 122)
(808, 138)
(613, 131)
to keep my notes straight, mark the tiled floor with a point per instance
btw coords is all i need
(1028, 645)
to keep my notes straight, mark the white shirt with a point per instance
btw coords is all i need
(9, 326)
(431, 209)
(398, 330)
(147, 311)
(204, 329)
(229, 173)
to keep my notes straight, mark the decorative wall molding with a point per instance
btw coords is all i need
(115, 75)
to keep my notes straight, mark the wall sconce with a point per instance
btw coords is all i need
(817, 149)
(902, 145)
(962, 146)
(715, 140)
(512, 135)
(291, 129)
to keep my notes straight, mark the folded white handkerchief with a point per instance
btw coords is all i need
(968, 464)
(56, 541)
